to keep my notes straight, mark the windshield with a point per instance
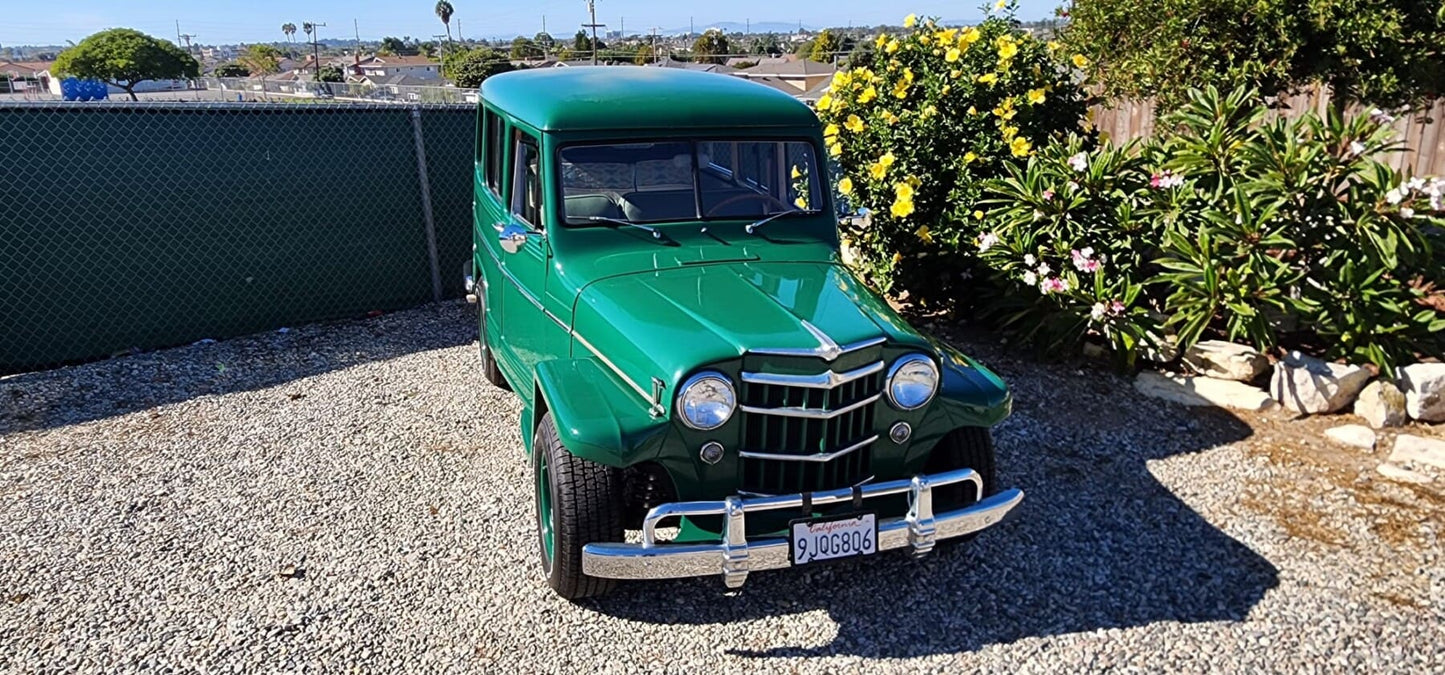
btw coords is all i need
(670, 181)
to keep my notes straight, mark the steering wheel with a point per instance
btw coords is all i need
(747, 195)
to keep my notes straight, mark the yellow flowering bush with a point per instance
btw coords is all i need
(915, 134)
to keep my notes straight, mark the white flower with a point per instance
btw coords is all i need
(1029, 259)
(1357, 148)
(1044, 269)
(1079, 162)
(1098, 311)
(1087, 251)
(987, 241)
(1031, 279)
(1381, 117)
(1407, 212)
(1416, 184)
(1395, 196)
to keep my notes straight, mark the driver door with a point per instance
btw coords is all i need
(524, 258)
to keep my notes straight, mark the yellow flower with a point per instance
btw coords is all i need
(946, 35)
(924, 234)
(1009, 132)
(998, 6)
(969, 37)
(969, 157)
(903, 191)
(952, 54)
(796, 173)
(1020, 147)
(1053, 46)
(946, 88)
(901, 208)
(1036, 96)
(801, 203)
(988, 78)
(892, 46)
(897, 258)
(930, 110)
(830, 130)
(853, 124)
(954, 73)
(887, 159)
(825, 102)
(868, 95)
(845, 186)
(923, 39)
(835, 149)
(972, 110)
(882, 39)
(900, 90)
(910, 20)
(1005, 110)
(841, 79)
(890, 117)
(1007, 50)
(978, 215)
(1080, 61)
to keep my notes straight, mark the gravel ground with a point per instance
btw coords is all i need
(353, 495)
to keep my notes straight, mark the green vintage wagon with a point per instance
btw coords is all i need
(706, 388)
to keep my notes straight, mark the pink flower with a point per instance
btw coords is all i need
(1084, 260)
(1053, 285)
(1165, 180)
(1079, 162)
(1048, 195)
(1117, 307)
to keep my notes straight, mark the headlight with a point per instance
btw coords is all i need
(706, 400)
(912, 381)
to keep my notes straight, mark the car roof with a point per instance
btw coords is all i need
(632, 97)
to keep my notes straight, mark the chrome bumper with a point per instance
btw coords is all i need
(734, 556)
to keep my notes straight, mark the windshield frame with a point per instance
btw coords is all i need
(820, 192)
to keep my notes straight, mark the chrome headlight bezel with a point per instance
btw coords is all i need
(906, 367)
(685, 397)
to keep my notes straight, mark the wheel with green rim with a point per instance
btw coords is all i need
(578, 502)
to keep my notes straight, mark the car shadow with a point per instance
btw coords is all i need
(1098, 543)
(102, 389)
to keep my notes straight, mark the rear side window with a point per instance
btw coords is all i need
(494, 148)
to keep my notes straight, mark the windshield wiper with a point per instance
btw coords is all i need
(752, 228)
(604, 219)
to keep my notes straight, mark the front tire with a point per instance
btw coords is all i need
(578, 502)
(965, 447)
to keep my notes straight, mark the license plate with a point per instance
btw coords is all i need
(818, 539)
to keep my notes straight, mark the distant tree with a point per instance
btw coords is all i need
(469, 67)
(330, 74)
(522, 48)
(644, 55)
(825, 46)
(1380, 52)
(766, 44)
(124, 58)
(392, 46)
(261, 60)
(544, 42)
(232, 70)
(290, 30)
(804, 48)
(863, 54)
(566, 54)
(710, 47)
(444, 12)
(744, 65)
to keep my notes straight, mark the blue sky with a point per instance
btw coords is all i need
(230, 21)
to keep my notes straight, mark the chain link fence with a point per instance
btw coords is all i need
(130, 226)
(257, 89)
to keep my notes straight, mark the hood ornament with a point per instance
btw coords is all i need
(827, 348)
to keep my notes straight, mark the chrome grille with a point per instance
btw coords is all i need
(804, 433)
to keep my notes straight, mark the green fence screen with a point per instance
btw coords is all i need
(133, 226)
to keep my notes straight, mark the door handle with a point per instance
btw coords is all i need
(513, 236)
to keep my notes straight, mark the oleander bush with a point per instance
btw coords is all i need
(1273, 232)
(915, 136)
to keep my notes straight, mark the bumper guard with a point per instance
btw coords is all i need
(734, 556)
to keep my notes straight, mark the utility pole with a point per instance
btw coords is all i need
(592, 11)
(356, 27)
(187, 37)
(459, 30)
(654, 43)
(622, 30)
(316, 51)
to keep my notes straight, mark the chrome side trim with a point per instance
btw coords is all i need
(655, 408)
(827, 349)
(811, 413)
(824, 380)
(651, 559)
(817, 457)
(522, 290)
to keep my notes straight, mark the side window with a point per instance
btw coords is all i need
(527, 180)
(493, 150)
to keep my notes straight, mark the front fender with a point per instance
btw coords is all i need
(597, 419)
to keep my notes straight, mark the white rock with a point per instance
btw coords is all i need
(1353, 435)
(1202, 391)
(1400, 474)
(1226, 360)
(1308, 385)
(1416, 450)
(1424, 387)
(1382, 404)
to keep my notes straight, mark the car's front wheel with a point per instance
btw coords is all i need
(578, 502)
(963, 448)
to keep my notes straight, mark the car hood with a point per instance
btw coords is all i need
(668, 323)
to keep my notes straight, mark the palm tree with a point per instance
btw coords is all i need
(290, 30)
(444, 12)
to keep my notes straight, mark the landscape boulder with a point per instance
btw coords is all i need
(1226, 360)
(1353, 435)
(1308, 385)
(1202, 391)
(1413, 451)
(1382, 404)
(1424, 387)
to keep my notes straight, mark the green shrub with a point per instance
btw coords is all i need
(915, 135)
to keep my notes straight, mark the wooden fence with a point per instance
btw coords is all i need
(1423, 133)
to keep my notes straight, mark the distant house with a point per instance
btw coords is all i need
(669, 62)
(24, 76)
(420, 67)
(761, 60)
(801, 74)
